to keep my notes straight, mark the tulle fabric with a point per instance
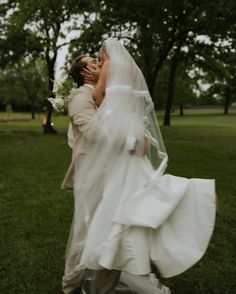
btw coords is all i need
(127, 110)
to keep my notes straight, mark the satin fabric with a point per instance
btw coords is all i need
(140, 219)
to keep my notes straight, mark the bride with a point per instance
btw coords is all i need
(133, 214)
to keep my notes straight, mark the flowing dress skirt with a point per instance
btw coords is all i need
(126, 218)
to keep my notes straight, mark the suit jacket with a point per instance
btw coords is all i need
(81, 110)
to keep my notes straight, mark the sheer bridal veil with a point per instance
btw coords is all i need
(128, 110)
(126, 114)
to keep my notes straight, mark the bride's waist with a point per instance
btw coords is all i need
(127, 88)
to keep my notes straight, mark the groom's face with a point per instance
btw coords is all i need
(89, 60)
(91, 65)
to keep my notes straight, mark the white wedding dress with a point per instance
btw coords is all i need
(167, 220)
(128, 213)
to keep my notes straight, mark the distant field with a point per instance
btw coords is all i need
(36, 214)
(22, 121)
(191, 116)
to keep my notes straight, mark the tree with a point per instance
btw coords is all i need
(150, 39)
(221, 77)
(156, 32)
(218, 63)
(38, 28)
(184, 94)
(33, 78)
(24, 84)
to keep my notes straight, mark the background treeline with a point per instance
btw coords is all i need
(185, 48)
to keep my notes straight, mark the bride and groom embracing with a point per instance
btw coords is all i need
(128, 214)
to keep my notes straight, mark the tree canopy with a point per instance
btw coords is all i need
(187, 43)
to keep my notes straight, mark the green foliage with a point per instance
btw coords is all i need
(38, 28)
(199, 35)
(153, 31)
(12, 91)
(63, 89)
(184, 91)
(24, 84)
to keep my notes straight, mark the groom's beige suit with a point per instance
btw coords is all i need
(81, 110)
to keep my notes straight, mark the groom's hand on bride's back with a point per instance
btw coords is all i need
(140, 146)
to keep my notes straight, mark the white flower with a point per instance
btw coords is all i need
(57, 103)
(61, 91)
(56, 85)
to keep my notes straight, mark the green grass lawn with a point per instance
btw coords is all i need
(36, 215)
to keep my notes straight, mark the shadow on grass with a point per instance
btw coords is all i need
(203, 114)
(14, 119)
(33, 133)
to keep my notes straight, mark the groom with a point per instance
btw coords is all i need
(81, 110)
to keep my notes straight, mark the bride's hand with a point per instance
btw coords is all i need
(145, 145)
(91, 73)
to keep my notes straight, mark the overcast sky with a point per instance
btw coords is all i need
(63, 51)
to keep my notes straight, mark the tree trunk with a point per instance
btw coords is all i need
(151, 87)
(47, 124)
(32, 110)
(181, 109)
(227, 100)
(171, 89)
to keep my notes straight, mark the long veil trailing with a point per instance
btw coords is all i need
(128, 110)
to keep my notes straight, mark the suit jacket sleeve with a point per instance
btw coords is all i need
(82, 111)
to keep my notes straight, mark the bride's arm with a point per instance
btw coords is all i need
(99, 91)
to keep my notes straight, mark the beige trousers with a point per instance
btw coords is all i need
(105, 281)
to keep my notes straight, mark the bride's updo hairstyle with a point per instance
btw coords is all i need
(102, 55)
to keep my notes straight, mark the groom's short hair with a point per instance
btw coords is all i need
(75, 70)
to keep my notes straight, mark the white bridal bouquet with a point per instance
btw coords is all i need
(61, 91)
(57, 103)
